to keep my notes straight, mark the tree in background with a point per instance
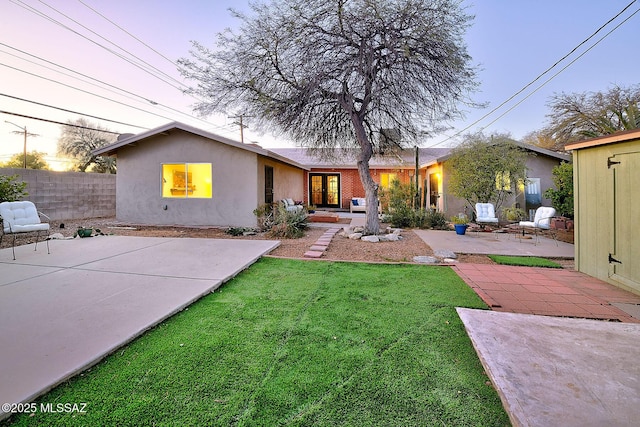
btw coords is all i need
(337, 74)
(486, 169)
(35, 160)
(578, 116)
(79, 140)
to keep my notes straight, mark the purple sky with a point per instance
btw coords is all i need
(511, 41)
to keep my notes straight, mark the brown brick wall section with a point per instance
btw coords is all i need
(350, 183)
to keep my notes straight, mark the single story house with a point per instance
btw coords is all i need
(178, 174)
(333, 182)
(606, 181)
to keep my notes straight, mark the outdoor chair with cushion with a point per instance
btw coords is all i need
(291, 206)
(22, 217)
(541, 221)
(485, 214)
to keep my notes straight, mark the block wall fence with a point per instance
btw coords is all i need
(69, 195)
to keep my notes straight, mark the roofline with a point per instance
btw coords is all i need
(622, 136)
(561, 156)
(112, 148)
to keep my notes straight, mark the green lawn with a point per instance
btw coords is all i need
(526, 261)
(298, 343)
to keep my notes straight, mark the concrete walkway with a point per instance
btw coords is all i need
(63, 312)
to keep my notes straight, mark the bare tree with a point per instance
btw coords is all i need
(577, 116)
(78, 141)
(335, 73)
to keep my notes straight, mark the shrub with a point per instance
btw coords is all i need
(10, 189)
(280, 223)
(562, 196)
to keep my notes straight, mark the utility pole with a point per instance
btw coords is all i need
(24, 150)
(242, 126)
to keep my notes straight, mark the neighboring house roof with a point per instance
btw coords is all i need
(621, 136)
(113, 148)
(346, 159)
(539, 150)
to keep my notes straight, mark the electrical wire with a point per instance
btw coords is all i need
(71, 111)
(545, 72)
(24, 116)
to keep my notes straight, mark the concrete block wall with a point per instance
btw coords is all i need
(69, 195)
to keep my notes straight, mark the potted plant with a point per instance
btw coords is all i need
(311, 209)
(84, 231)
(460, 223)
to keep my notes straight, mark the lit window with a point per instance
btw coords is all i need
(386, 179)
(503, 181)
(186, 180)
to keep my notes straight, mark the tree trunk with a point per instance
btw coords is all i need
(372, 224)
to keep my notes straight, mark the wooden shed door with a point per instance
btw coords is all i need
(623, 260)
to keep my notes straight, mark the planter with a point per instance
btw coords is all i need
(85, 232)
(461, 228)
(559, 223)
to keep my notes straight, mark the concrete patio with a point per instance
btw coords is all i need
(63, 312)
(495, 244)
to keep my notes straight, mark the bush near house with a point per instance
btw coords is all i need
(562, 196)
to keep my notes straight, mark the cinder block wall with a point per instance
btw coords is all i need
(69, 195)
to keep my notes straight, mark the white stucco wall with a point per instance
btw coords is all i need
(234, 182)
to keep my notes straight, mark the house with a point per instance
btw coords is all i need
(178, 174)
(331, 181)
(606, 181)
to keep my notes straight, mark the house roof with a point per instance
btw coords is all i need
(348, 158)
(621, 136)
(539, 150)
(167, 128)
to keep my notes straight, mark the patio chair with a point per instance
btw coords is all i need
(22, 217)
(485, 214)
(541, 221)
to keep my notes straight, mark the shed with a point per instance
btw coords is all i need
(180, 175)
(607, 206)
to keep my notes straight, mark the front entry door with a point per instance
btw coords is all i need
(324, 190)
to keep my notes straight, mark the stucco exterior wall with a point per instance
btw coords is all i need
(288, 181)
(139, 186)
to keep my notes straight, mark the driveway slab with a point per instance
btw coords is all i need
(552, 371)
(63, 312)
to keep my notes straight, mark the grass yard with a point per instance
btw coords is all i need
(524, 261)
(298, 343)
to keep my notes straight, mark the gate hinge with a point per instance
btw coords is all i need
(612, 260)
(611, 163)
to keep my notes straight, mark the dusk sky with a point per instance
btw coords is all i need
(511, 41)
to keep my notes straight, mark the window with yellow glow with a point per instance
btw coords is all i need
(186, 180)
(386, 179)
(503, 181)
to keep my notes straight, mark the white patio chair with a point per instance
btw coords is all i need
(485, 214)
(22, 217)
(541, 221)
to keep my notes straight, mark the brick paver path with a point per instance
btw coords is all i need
(546, 291)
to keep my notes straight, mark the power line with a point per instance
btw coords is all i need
(56, 122)
(547, 71)
(71, 111)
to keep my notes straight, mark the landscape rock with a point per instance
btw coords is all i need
(422, 259)
(449, 260)
(355, 236)
(392, 237)
(358, 229)
(444, 253)
(372, 239)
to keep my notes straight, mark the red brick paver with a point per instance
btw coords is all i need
(546, 291)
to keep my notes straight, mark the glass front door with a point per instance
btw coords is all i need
(324, 190)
